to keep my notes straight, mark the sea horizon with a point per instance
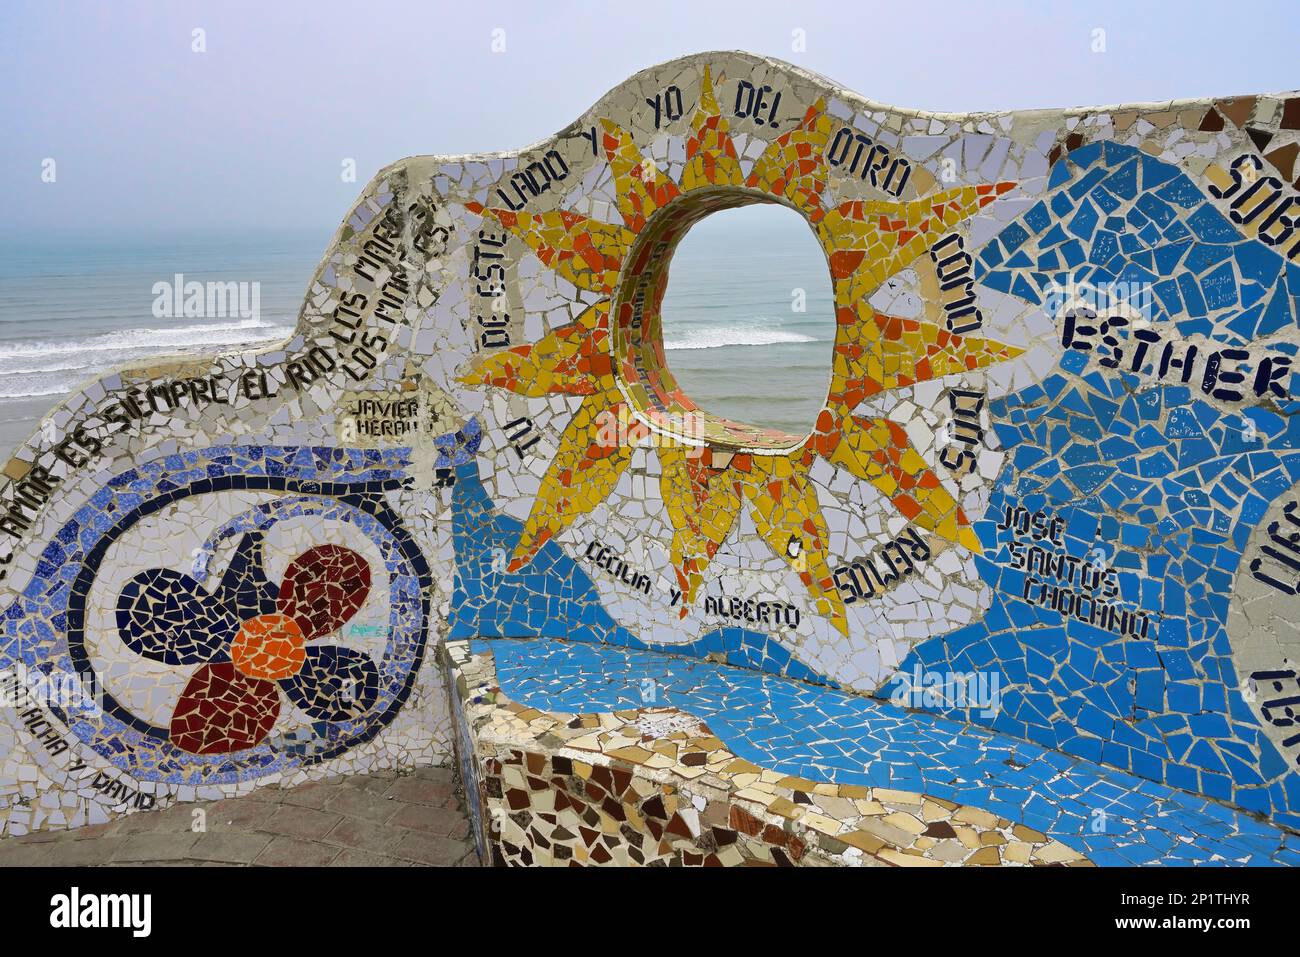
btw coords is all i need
(74, 308)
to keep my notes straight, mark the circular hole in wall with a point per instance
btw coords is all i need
(736, 347)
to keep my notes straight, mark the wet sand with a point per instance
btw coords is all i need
(19, 418)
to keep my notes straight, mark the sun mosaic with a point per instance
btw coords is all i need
(1036, 548)
(612, 355)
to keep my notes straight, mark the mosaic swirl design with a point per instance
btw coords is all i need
(249, 634)
(250, 647)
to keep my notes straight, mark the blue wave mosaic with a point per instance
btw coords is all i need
(1113, 817)
(1130, 458)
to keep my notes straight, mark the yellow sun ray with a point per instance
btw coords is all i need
(641, 186)
(783, 502)
(587, 252)
(875, 353)
(570, 360)
(585, 470)
(794, 166)
(711, 158)
(702, 504)
(880, 452)
(866, 242)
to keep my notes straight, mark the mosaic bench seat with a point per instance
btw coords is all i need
(1059, 453)
(582, 754)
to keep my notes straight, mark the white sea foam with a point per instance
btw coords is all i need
(37, 367)
(149, 339)
(56, 365)
(746, 335)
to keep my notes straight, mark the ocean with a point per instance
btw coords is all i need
(71, 311)
(749, 318)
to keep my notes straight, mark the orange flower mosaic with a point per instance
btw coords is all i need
(269, 647)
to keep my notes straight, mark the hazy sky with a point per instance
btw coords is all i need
(152, 138)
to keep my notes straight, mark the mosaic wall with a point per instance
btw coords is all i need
(1051, 495)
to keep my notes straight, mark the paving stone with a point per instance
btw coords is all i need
(291, 852)
(354, 828)
(238, 814)
(430, 849)
(437, 775)
(352, 857)
(229, 847)
(416, 791)
(164, 864)
(360, 803)
(314, 794)
(434, 820)
(267, 795)
(93, 831)
(149, 847)
(174, 819)
(39, 855)
(356, 833)
(370, 783)
(302, 822)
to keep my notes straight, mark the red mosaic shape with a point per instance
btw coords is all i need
(323, 588)
(222, 710)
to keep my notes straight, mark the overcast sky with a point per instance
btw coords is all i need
(151, 138)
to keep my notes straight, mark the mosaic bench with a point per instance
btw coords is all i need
(586, 754)
(1028, 576)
